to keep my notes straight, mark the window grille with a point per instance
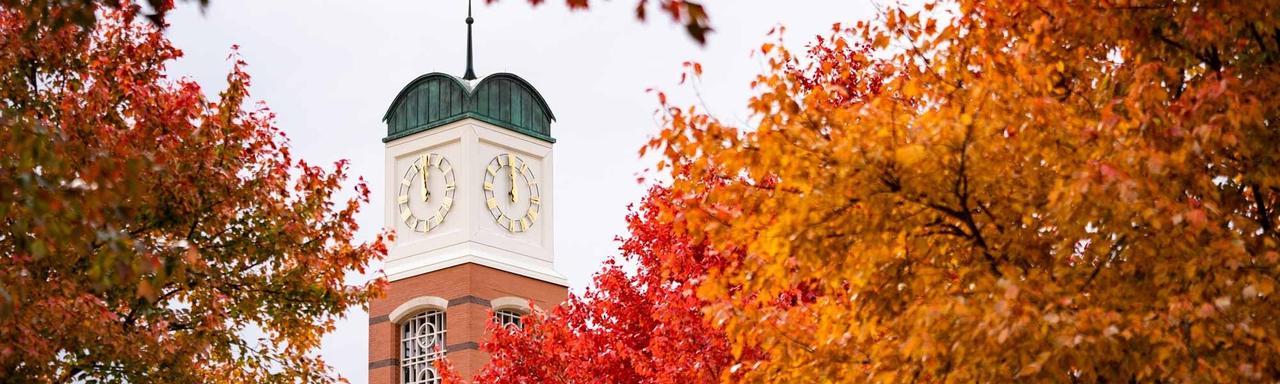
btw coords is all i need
(421, 344)
(508, 318)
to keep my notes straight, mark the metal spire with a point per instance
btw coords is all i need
(471, 73)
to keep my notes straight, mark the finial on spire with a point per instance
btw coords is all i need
(471, 73)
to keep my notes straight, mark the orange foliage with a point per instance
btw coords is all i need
(1000, 191)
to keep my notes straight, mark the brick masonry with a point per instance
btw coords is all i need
(468, 288)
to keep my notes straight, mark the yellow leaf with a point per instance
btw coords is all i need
(909, 155)
(880, 41)
(910, 89)
(146, 291)
(1035, 366)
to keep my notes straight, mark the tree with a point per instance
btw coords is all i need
(1001, 191)
(641, 327)
(150, 234)
(690, 13)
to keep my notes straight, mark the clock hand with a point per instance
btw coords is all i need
(426, 194)
(514, 194)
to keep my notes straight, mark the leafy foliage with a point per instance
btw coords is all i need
(84, 13)
(148, 230)
(690, 13)
(998, 191)
(641, 327)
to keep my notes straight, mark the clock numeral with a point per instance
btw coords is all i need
(446, 203)
(511, 161)
(535, 200)
(532, 214)
(420, 226)
(492, 171)
(488, 186)
(524, 168)
(405, 215)
(492, 203)
(403, 198)
(512, 225)
(406, 182)
(449, 187)
(524, 224)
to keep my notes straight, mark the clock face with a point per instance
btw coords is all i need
(511, 193)
(426, 192)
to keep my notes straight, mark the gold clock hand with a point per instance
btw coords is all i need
(514, 194)
(426, 174)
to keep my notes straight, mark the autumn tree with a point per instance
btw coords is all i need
(150, 234)
(645, 326)
(691, 14)
(1032, 190)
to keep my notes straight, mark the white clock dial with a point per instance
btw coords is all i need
(511, 193)
(426, 192)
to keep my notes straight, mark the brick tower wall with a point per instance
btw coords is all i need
(468, 288)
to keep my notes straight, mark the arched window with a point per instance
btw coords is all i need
(421, 344)
(508, 318)
(509, 311)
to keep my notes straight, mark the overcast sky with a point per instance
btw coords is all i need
(329, 69)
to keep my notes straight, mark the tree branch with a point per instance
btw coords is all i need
(1264, 213)
(1111, 256)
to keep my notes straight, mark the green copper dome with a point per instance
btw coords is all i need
(436, 99)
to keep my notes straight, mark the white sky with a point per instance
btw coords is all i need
(330, 68)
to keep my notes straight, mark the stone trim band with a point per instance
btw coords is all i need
(463, 346)
(382, 363)
(468, 299)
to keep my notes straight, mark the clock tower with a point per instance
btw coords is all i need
(469, 194)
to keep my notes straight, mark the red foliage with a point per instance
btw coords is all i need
(841, 68)
(146, 229)
(641, 327)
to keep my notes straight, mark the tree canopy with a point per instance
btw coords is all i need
(1001, 190)
(150, 234)
(978, 190)
(645, 326)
